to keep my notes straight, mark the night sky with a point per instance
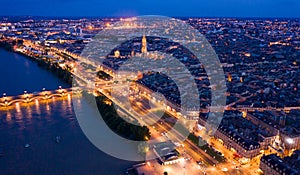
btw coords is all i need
(175, 8)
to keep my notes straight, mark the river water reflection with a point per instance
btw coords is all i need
(39, 124)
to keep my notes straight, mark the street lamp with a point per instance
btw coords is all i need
(45, 93)
(61, 91)
(26, 97)
(5, 99)
(4, 96)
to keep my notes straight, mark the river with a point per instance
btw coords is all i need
(39, 124)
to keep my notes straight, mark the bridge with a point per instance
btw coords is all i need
(85, 82)
(6, 101)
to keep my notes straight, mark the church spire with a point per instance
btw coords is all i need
(144, 44)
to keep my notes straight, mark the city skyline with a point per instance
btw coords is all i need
(84, 83)
(191, 8)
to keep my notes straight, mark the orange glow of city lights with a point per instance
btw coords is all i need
(229, 77)
(107, 24)
(18, 107)
(247, 54)
(146, 138)
(244, 114)
(241, 79)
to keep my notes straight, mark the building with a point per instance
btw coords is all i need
(236, 133)
(117, 54)
(273, 164)
(243, 148)
(285, 125)
(144, 44)
(166, 153)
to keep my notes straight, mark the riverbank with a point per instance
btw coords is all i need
(19, 74)
(38, 124)
(63, 74)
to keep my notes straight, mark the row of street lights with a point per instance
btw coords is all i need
(26, 95)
